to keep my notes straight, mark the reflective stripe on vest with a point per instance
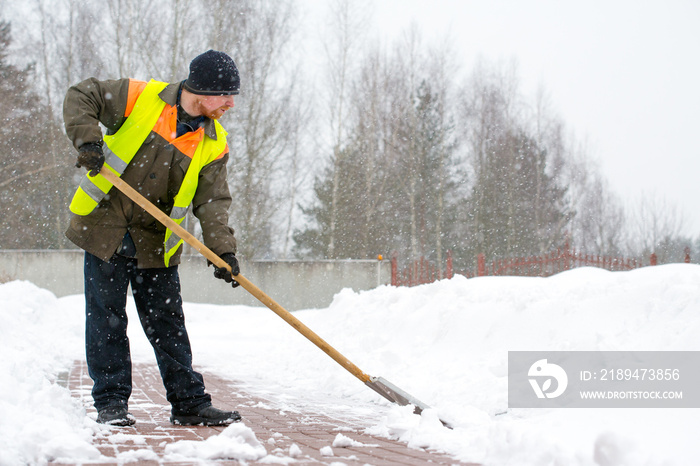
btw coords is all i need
(121, 148)
(207, 151)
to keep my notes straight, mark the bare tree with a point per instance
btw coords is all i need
(488, 109)
(264, 130)
(599, 223)
(348, 20)
(442, 70)
(410, 59)
(654, 222)
(370, 123)
(516, 156)
(154, 39)
(122, 15)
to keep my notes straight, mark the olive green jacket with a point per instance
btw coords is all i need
(156, 171)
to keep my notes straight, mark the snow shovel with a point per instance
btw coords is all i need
(380, 385)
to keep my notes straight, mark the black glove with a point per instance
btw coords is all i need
(91, 157)
(222, 273)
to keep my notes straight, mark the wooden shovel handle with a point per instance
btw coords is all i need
(186, 236)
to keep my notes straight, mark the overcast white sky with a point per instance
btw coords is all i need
(624, 75)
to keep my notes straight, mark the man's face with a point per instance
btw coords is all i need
(214, 106)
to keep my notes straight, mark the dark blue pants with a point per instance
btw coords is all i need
(157, 296)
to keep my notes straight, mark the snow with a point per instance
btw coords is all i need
(445, 343)
(342, 441)
(236, 441)
(294, 451)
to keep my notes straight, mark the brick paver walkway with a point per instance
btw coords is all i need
(289, 437)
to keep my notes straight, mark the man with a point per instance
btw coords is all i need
(165, 141)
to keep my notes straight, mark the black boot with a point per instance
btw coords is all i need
(206, 416)
(115, 416)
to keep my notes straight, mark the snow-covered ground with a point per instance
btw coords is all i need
(445, 343)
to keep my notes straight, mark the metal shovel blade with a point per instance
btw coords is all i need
(394, 394)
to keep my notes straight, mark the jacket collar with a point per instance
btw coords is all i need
(169, 96)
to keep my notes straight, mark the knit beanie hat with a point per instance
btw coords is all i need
(213, 73)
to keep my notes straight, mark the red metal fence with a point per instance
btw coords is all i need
(422, 271)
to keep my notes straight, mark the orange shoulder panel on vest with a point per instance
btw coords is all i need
(224, 152)
(135, 89)
(188, 142)
(167, 123)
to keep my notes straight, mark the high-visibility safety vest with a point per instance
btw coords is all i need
(121, 147)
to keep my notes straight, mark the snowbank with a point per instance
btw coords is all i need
(39, 340)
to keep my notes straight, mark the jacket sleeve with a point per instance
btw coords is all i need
(210, 205)
(91, 102)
